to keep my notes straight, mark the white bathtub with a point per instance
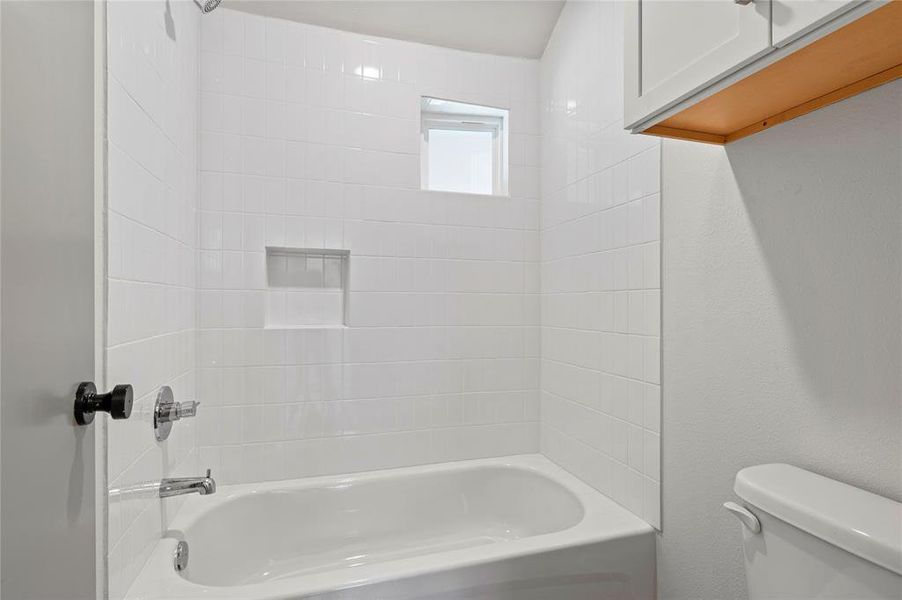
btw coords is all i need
(509, 528)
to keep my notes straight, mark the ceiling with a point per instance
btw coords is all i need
(510, 27)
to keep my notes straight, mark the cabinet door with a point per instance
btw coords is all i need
(794, 18)
(675, 48)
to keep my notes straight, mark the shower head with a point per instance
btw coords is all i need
(207, 6)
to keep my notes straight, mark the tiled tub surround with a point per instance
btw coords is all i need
(151, 228)
(600, 250)
(309, 138)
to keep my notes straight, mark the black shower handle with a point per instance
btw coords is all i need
(117, 402)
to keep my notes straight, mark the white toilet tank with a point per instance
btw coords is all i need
(819, 538)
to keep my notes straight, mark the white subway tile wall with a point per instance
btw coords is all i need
(309, 138)
(236, 132)
(600, 274)
(151, 227)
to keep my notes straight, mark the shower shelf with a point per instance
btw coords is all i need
(307, 288)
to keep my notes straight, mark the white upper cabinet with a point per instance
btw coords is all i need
(717, 71)
(677, 47)
(794, 18)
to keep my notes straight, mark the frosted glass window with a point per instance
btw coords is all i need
(461, 161)
(464, 147)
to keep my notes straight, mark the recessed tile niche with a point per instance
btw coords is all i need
(306, 288)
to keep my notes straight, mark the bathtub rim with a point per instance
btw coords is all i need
(602, 520)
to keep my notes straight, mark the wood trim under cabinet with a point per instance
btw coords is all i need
(686, 134)
(858, 57)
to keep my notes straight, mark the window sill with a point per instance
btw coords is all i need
(465, 194)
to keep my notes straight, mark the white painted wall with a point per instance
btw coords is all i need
(440, 358)
(470, 26)
(151, 269)
(1, 294)
(600, 412)
(782, 316)
(47, 141)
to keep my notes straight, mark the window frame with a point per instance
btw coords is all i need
(495, 125)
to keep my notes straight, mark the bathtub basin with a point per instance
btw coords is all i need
(516, 527)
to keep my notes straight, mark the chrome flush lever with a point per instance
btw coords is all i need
(167, 411)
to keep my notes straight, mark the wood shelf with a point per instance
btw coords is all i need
(860, 56)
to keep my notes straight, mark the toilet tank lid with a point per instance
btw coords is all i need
(865, 524)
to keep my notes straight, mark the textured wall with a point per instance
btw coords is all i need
(309, 138)
(600, 253)
(782, 261)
